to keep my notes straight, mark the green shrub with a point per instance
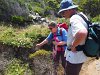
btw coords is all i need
(16, 68)
(21, 2)
(30, 7)
(96, 19)
(22, 37)
(40, 53)
(7, 35)
(37, 4)
(62, 20)
(22, 42)
(38, 10)
(17, 19)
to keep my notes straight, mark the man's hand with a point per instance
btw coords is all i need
(73, 49)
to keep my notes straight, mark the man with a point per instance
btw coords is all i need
(77, 34)
(59, 38)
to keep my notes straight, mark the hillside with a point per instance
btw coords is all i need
(20, 32)
(11, 8)
(19, 10)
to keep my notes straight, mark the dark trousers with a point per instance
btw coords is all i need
(59, 55)
(73, 69)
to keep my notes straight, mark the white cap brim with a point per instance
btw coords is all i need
(71, 7)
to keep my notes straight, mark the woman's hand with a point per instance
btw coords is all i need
(55, 43)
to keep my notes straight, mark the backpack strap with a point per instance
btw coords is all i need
(89, 23)
(60, 34)
(57, 33)
(95, 37)
(60, 31)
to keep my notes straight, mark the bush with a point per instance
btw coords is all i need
(38, 10)
(7, 35)
(62, 20)
(16, 68)
(22, 37)
(40, 53)
(96, 19)
(30, 7)
(17, 19)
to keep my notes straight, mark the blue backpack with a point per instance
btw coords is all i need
(92, 44)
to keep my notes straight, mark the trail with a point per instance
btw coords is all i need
(91, 67)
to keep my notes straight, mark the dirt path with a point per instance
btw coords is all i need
(91, 67)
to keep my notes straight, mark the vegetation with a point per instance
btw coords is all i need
(89, 7)
(43, 7)
(16, 67)
(30, 35)
(92, 7)
(22, 37)
(17, 19)
(96, 19)
(40, 53)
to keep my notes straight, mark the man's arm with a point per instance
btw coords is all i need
(79, 37)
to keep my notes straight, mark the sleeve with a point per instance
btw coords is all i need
(64, 35)
(50, 36)
(76, 25)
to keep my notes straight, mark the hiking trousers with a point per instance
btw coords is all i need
(73, 69)
(59, 55)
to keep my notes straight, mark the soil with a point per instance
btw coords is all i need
(91, 67)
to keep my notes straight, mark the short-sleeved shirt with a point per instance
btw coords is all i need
(77, 23)
(62, 35)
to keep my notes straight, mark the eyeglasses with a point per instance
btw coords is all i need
(50, 28)
(62, 12)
